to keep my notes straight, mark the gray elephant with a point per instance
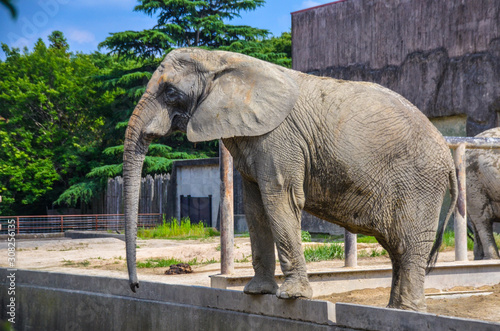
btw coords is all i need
(483, 196)
(352, 153)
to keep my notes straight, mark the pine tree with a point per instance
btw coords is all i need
(186, 23)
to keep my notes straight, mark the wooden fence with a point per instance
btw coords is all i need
(153, 198)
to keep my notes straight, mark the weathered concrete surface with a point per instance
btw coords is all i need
(443, 56)
(443, 276)
(55, 301)
(373, 318)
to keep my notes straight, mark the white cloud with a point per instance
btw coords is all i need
(81, 36)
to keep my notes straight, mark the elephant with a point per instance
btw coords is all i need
(483, 196)
(352, 153)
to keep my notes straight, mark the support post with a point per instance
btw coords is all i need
(350, 249)
(226, 210)
(461, 208)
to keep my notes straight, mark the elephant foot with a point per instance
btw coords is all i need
(261, 285)
(420, 308)
(295, 288)
(415, 305)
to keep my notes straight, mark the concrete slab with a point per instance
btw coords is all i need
(442, 277)
(374, 318)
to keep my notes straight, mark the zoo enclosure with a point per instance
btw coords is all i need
(61, 223)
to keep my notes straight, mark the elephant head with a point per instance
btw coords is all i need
(209, 95)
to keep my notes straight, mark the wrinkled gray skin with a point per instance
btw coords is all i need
(483, 196)
(355, 154)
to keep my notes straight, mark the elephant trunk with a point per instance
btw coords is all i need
(135, 149)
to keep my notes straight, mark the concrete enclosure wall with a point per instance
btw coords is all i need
(56, 301)
(443, 56)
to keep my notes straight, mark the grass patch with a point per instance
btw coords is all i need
(306, 236)
(85, 263)
(372, 253)
(68, 262)
(324, 252)
(173, 230)
(163, 263)
(366, 239)
(449, 241)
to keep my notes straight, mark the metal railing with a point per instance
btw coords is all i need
(62, 223)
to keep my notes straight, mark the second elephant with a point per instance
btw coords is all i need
(483, 196)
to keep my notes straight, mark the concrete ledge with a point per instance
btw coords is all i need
(374, 318)
(33, 235)
(56, 301)
(56, 295)
(92, 234)
(443, 276)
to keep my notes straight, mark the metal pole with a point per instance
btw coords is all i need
(461, 208)
(226, 210)
(350, 249)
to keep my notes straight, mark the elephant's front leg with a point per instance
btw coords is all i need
(261, 238)
(284, 214)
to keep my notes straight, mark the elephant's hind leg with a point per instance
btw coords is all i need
(263, 258)
(408, 275)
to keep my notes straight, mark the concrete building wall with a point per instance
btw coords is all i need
(199, 181)
(443, 56)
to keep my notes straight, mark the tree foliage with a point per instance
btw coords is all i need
(10, 7)
(51, 118)
(186, 23)
(60, 112)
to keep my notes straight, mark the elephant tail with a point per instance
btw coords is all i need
(442, 224)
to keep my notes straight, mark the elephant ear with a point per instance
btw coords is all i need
(246, 97)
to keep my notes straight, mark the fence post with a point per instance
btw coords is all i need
(62, 224)
(96, 223)
(350, 249)
(226, 210)
(461, 208)
(17, 224)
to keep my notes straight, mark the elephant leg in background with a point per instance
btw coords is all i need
(261, 237)
(285, 217)
(478, 246)
(481, 216)
(487, 245)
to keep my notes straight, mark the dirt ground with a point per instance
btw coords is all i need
(106, 257)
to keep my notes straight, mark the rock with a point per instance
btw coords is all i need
(180, 268)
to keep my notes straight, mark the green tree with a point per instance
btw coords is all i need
(135, 55)
(51, 120)
(57, 40)
(186, 23)
(276, 50)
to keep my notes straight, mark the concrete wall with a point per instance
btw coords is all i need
(199, 181)
(444, 56)
(55, 301)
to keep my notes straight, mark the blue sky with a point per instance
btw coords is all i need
(86, 23)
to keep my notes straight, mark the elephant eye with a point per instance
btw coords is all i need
(172, 96)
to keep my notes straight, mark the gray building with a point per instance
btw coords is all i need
(443, 56)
